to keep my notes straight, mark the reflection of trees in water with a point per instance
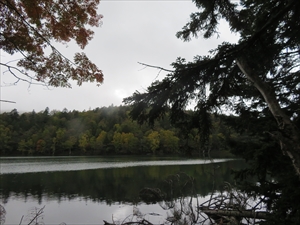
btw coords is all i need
(112, 185)
(183, 206)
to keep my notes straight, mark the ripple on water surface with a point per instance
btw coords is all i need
(48, 164)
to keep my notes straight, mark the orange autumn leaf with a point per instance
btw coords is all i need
(29, 27)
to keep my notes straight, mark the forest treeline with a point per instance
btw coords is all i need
(102, 131)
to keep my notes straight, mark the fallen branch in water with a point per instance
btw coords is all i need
(141, 222)
(235, 213)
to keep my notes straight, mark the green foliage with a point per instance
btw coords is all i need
(100, 140)
(153, 140)
(168, 141)
(256, 79)
(5, 138)
(100, 131)
(268, 43)
(84, 142)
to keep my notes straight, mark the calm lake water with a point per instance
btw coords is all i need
(88, 190)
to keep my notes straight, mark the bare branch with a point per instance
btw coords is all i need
(37, 215)
(7, 101)
(156, 67)
(21, 220)
(10, 70)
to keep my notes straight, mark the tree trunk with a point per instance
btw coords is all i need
(289, 135)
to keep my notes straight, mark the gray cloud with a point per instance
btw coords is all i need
(132, 31)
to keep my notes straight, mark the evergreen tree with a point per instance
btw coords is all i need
(256, 79)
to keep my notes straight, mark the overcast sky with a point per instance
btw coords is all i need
(132, 32)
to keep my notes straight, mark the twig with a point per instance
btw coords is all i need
(37, 215)
(7, 101)
(156, 67)
(21, 220)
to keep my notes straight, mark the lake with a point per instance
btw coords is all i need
(88, 190)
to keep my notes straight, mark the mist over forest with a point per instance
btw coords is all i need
(104, 131)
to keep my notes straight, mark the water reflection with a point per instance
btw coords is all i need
(110, 184)
(75, 192)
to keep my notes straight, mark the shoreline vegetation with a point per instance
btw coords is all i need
(104, 131)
